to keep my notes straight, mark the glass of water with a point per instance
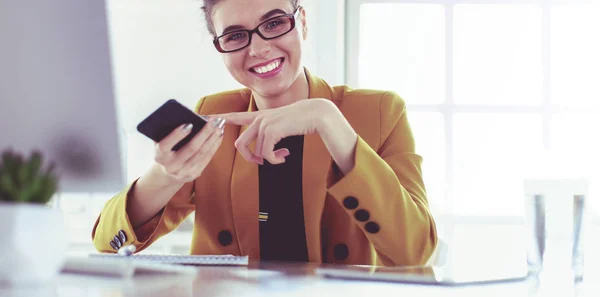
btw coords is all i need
(555, 220)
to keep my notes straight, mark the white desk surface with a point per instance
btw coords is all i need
(263, 279)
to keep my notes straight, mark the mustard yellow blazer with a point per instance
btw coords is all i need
(377, 214)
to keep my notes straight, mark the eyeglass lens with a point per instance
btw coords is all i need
(272, 28)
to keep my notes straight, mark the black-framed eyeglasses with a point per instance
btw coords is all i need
(269, 29)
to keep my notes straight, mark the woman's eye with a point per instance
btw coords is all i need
(273, 24)
(236, 36)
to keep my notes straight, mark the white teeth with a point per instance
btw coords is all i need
(267, 68)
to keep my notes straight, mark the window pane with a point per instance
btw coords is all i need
(576, 150)
(575, 60)
(402, 48)
(428, 130)
(571, 133)
(497, 54)
(501, 246)
(491, 159)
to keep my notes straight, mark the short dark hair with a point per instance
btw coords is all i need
(208, 7)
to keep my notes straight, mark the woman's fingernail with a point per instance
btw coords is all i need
(187, 128)
(258, 160)
(222, 132)
(221, 124)
(282, 154)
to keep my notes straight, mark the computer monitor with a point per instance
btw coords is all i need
(56, 90)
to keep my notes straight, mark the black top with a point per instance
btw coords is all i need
(281, 212)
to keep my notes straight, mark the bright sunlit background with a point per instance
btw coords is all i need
(497, 91)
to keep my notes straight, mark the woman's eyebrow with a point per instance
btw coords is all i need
(271, 13)
(265, 16)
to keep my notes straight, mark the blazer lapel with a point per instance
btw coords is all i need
(244, 200)
(315, 169)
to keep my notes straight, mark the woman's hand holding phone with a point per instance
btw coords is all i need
(185, 142)
(188, 163)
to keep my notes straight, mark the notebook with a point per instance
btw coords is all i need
(216, 260)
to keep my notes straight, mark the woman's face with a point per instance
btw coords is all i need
(267, 67)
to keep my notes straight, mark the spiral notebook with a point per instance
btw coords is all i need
(216, 260)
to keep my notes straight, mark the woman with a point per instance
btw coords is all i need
(301, 172)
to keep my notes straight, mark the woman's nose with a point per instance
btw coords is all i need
(259, 47)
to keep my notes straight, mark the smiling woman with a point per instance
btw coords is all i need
(302, 171)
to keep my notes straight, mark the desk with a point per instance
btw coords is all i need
(274, 279)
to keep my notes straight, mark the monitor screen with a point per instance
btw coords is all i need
(56, 90)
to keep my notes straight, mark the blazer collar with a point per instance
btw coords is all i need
(315, 169)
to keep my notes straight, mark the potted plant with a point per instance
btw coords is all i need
(33, 245)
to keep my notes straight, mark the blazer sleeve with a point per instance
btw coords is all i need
(385, 193)
(113, 222)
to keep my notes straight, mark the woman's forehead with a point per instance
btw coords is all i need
(247, 13)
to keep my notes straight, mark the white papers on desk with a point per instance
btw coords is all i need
(127, 266)
(216, 260)
(121, 267)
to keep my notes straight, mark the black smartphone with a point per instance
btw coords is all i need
(168, 117)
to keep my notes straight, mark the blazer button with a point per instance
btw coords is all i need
(362, 215)
(225, 237)
(372, 227)
(117, 241)
(122, 236)
(340, 252)
(350, 202)
(114, 245)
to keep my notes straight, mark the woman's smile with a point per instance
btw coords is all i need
(268, 69)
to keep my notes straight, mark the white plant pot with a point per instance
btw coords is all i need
(33, 243)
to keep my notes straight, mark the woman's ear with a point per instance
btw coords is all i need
(303, 21)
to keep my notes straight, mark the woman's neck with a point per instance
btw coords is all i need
(297, 91)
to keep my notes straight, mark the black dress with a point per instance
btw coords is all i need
(281, 212)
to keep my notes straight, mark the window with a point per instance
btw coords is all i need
(491, 87)
(496, 92)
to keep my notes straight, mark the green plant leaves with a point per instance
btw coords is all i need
(22, 180)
